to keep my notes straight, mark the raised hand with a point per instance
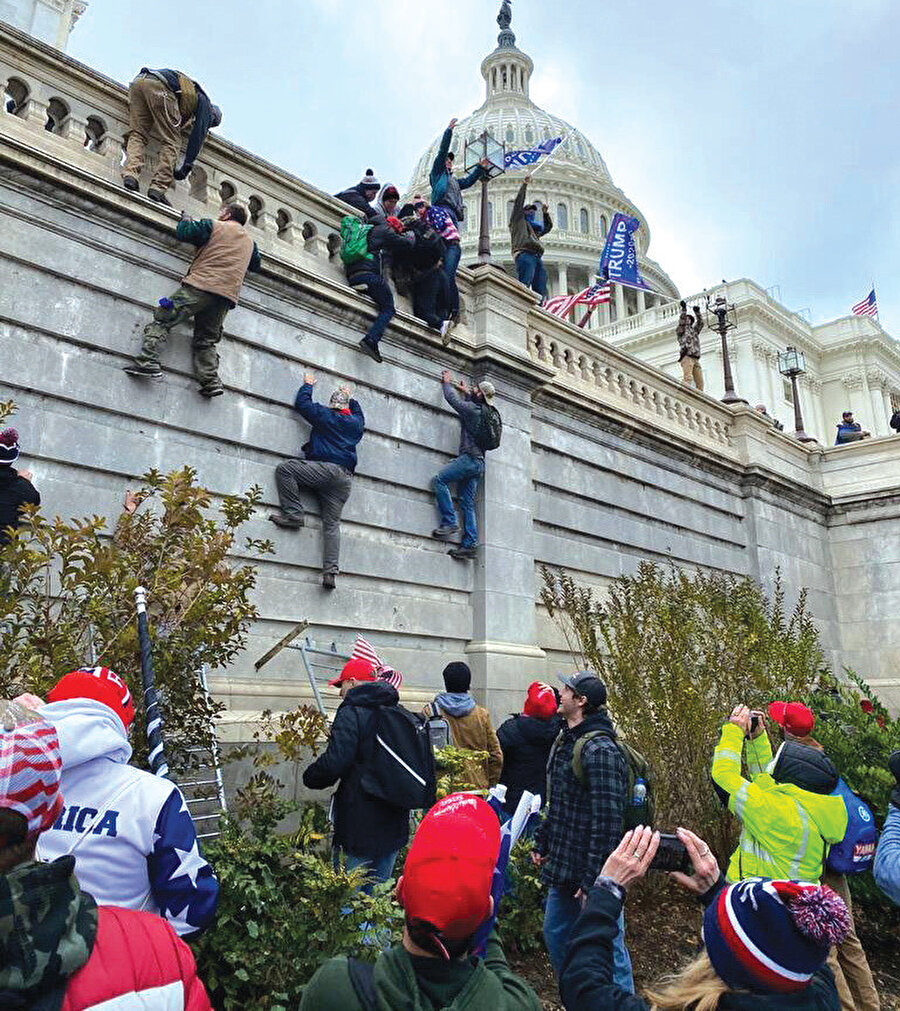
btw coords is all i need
(309, 379)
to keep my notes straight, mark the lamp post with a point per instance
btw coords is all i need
(720, 317)
(791, 364)
(490, 154)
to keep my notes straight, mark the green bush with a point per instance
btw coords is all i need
(522, 912)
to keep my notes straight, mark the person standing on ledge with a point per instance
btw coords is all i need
(209, 289)
(849, 430)
(165, 102)
(688, 334)
(327, 468)
(525, 230)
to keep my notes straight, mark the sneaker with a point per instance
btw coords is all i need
(130, 184)
(444, 533)
(158, 197)
(210, 390)
(143, 371)
(328, 580)
(370, 348)
(461, 553)
(281, 519)
(445, 332)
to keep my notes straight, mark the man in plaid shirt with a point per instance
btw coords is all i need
(584, 818)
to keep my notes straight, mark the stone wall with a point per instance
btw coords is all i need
(605, 461)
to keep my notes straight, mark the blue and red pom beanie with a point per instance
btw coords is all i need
(9, 447)
(772, 936)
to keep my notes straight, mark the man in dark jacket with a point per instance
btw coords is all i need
(849, 430)
(584, 817)
(165, 102)
(367, 830)
(225, 253)
(386, 235)
(16, 488)
(526, 226)
(526, 739)
(466, 470)
(362, 194)
(327, 467)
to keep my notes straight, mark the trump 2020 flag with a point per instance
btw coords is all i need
(618, 262)
(520, 159)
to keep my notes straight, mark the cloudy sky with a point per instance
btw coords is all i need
(759, 139)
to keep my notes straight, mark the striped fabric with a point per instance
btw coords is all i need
(868, 306)
(363, 650)
(562, 305)
(30, 767)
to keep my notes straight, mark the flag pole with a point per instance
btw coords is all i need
(550, 156)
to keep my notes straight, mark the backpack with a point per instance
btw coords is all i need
(640, 802)
(855, 853)
(438, 727)
(354, 240)
(488, 428)
(399, 767)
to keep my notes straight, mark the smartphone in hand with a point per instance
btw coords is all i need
(672, 855)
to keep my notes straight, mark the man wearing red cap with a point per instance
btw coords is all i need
(367, 830)
(526, 739)
(130, 832)
(445, 892)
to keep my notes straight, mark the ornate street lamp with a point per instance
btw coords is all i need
(490, 154)
(720, 317)
(791, 364)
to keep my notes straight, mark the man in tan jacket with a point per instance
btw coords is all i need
(470, 725)
(209, 289)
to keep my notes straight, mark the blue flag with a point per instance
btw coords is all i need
(618, 262)
(520, 159)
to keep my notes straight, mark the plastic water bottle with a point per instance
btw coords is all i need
(639, 797)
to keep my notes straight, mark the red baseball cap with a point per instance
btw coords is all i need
(796, 718)
(450, 866)
(100, 684)
(541, 700)
(356, 669)
(30, 767)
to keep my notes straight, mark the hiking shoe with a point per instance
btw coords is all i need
(215, 389)
(130, 184)
(143, 371)
(445, 332)
(370, 348)
(158, 197)
(444, 533)
(328, 580)
(281, 519)
(462, 554)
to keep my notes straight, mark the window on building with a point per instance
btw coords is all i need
(788, 391)
(585, 220)
(604, 225)
(562, 217)
(15, 96)
(57, 114)
(529, 136)
(510, 135)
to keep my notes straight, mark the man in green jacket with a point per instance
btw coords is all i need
(445, 891)
(526, 225)
(786, 807)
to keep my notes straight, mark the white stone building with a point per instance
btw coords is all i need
(51, 21)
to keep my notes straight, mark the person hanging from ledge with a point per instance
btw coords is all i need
(688, 334)
(362, 194)
(165, 103)
(525, 230)
(327, 467)
(209, 289)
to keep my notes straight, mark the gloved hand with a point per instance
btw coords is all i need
(894, 766)
(183, 172)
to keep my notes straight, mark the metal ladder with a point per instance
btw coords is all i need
(316, 657)
(204, 790)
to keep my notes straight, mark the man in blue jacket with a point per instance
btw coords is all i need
(887, 856)
(329, 460)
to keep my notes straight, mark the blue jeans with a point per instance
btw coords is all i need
(379, 291)
(451, 265)
(379, 868)
(465, 472)
(532, 273)
(560, 914)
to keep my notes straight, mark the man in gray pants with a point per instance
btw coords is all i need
(326, 469)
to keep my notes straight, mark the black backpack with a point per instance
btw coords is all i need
(488, 428)
(399, 768)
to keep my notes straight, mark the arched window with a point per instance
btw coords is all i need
(283, 223)
(255, 207)
(94, 132)
(529, 135)
(510, 135)
(585, 220)
(562, 217)
(604, 225)
(227, 192)
(57, 114)
(15, 96)
(504, 77)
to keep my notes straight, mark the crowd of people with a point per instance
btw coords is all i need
(101, 874)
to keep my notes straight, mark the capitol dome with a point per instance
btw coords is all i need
(575, 185)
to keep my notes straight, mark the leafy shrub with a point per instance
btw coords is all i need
(454, 769)
(522, 911)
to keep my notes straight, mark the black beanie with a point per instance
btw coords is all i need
(457, 677)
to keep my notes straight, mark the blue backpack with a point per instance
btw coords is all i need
(855, 853)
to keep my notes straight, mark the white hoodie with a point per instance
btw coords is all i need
(130, 832)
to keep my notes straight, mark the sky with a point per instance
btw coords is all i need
(758, 139)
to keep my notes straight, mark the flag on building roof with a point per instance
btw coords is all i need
(562, 305)
(521, 159)
(362, 650)
(868, 306)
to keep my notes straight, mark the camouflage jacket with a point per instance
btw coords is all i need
(47, 932)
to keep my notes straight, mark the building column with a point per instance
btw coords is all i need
(563, 279)
(642, 302)
(620, 301)
(879, 421)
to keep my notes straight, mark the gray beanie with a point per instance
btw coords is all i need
(487, 390)
(339, 399)
(369, 181)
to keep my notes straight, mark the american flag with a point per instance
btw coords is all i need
(868, 306)
(362, 650)
(562, 305)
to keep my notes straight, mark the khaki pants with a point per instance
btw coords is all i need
(848, 962)
(208, 311)
(691, 372)
(152, 108)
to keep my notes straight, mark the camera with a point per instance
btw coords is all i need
(754, 723)
(672, 855)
